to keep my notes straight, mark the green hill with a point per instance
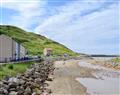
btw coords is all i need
(34, 43)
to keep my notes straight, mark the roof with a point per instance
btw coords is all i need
(5, 36)
(10, 38)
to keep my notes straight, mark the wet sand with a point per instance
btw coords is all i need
(72, 77)
(65, 82)
(106, 62)
(107, 82)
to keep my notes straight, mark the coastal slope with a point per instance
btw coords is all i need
(34, 43)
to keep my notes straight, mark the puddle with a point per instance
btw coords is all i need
(108, 86)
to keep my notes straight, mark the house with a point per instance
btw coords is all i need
(10, 49)
(47, 51)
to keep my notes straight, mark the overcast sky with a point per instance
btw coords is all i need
(85, 26)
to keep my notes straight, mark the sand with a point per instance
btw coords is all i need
(107, 82)
(65, 75)
(67, 72)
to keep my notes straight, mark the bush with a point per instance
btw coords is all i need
(1, 68)
(47, 42)
(10, 67)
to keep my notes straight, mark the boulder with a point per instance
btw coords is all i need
(13, 93)
(12, 85)
(3, 91)
(28, 91)
(15, 80)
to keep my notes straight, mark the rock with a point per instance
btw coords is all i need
(27, 91)
(1, 83)
(32, 82)
(13, 93)
(38, 92)
(30, 79)
(21, 82)
(35, 85)
(34, 93)
(28, 84)
(38, 80)
(20, 92)
(12, 89)
(26, 75)
(5, 82)
(49, 79)
(37, 75)
(3, 91)
(5, 86)
(12, 85)
(6, 78)
(15, 80)
(18, 76)
(30, 71)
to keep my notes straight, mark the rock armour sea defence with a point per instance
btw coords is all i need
(32, 82)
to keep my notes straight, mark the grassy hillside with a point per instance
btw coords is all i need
(34, 43)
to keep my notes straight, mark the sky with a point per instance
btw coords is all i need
(85, 26)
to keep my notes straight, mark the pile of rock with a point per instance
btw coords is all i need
(32, 82)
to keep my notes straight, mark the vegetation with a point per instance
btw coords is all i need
(34, 43)
(13, 69)
(116, 59)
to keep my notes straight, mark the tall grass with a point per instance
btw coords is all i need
(13, 69)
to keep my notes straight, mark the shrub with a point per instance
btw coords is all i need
(47, 42)
(10, 67)
(1, 68)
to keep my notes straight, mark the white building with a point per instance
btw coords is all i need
(10, 49)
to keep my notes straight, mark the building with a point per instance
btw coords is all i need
(47, 51)
(10, 49)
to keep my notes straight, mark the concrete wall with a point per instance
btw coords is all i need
(9, 49)
(5, 48)
(23, 51)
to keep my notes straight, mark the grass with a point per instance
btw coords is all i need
(34, 43)
(13, 69)
(116, 59)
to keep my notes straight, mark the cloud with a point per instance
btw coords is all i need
(83, 26)
(27, 11)
(67, 15)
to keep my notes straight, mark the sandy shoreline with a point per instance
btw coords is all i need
(67, 72)
(65, 75)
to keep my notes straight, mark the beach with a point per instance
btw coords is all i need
(64, 82)
(73, 78)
